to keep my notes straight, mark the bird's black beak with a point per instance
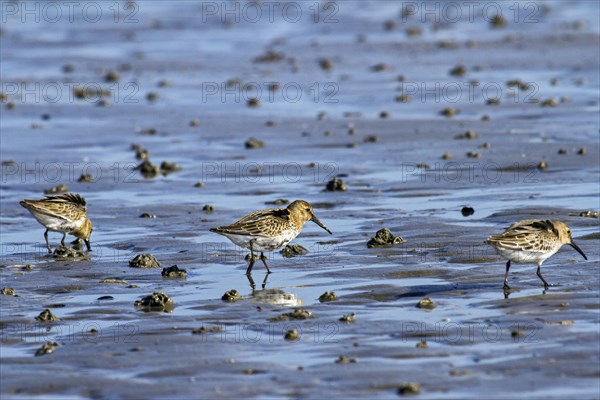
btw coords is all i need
(88, 245)
(578, 249)
(316, 221)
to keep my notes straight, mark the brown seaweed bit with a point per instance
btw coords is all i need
(459, 70)
(270, 56)
(86, 178)
(231, 296)
(426, 303)
(8, 291)
(450, 112)
(409, 389)
(297, 314)
(589, 214)
(384, 237)
(336, 185)
(147, 215)
(293, 250)
(47, 316)
(467, 135)
(157, 301)
(144, 261)
(348, 318)
(142, 154)
(147, 169)
(47, 348)
(174, 272)
(167, 167)
(207, 208)
(207, 329)
(57, 189)
(346, 360)
(117, 281)
(292, 335)
(277, 202)
(422, 344)
(328, 296)
(64, 252)
(254, 143)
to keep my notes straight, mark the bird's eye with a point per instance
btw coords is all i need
(308, 210)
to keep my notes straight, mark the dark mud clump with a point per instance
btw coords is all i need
(450, 112)
(208, 208)
(325, 64)
(270, 56)
(253, 143)
(297, 314)
(147, 169)
(57, 189)
(409, 389)
(144, 261)
(426, 303)
(278, 202)
(64, 252)
(346, 360)
(459, 70)
(336, 185)
(467, 135)
(86, 178)
(231, 296)
(384, 238)
(155, 302)
(292, 335)
(47, 316)
(467, 211)
(589, 214)
(207, 329)
(473, 154)
(167, 167)
(8, 291)
(328, 296)
(174, 272)
(349, 318)
(293, 250)
(447, 156)
(47, 348)
(147, 215)
(199, 184)
(117, 281)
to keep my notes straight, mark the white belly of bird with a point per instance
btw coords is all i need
(58, 224)
(525, 256)
(263, 243)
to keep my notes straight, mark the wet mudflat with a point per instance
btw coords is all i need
(405, 166)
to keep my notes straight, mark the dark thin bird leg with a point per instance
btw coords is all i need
(264, 284)
(506, 275)
(539, 273)
(264, 260)
(47, 243)
(62, 242)
(251, 281)
(249, 270)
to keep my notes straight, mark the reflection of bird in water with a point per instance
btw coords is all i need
(276, 297)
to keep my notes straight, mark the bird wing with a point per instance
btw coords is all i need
(258, 223)
(528, 235)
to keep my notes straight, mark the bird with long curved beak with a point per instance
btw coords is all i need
(269, 230)
(66, 213)
(532, 241)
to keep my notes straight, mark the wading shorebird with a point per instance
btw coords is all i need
(532, 241)
(269, 230)
(66, 213)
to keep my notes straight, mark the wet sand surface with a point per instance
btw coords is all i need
(476, 341)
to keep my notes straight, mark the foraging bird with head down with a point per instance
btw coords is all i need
(269, 230)
(532, 241)
(66, 213)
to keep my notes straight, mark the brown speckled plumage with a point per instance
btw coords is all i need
(530, 240)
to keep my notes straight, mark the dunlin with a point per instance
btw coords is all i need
(66, 213)
(530, 241)
(269, 230)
